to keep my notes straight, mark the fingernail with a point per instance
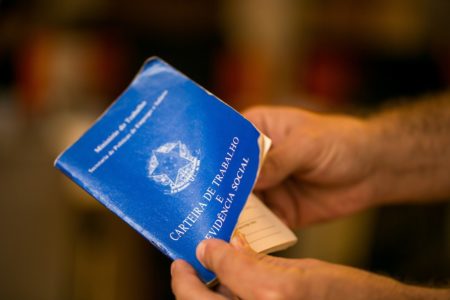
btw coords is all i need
(239, 240)
(200, 252)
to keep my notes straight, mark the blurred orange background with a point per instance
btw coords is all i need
(63, 62)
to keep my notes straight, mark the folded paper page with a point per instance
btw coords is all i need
(262, 229)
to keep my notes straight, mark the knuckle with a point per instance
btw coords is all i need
(255, 110)
(274, 292)
(309, 262)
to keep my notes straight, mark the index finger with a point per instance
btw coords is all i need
(186, 285)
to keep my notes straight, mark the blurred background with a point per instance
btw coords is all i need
(63, 62)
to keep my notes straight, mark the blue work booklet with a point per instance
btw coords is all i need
(170, 159)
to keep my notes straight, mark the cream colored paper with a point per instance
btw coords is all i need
(261, 227)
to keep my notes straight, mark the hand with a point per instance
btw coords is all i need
(319, 167)
(248, 275)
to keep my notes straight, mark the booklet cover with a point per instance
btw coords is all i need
(169, 158)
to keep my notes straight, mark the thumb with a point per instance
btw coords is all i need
(281, 161)
(239, 270)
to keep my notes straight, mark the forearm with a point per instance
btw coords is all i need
(409, 292)
(411, 147)
(378, 287)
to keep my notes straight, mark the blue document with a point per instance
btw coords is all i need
(169, 158)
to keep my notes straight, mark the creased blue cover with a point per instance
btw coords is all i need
(170, 159)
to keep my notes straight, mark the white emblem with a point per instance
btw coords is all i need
(173, 166)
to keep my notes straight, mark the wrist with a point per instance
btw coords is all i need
(410, 292)
(404, 169)
(375, 157)
(385, 169)
(381, 287)
(412, 150)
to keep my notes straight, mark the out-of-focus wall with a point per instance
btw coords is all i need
(63, 62)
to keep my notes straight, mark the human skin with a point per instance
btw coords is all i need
(322, 167)
(247, 275)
